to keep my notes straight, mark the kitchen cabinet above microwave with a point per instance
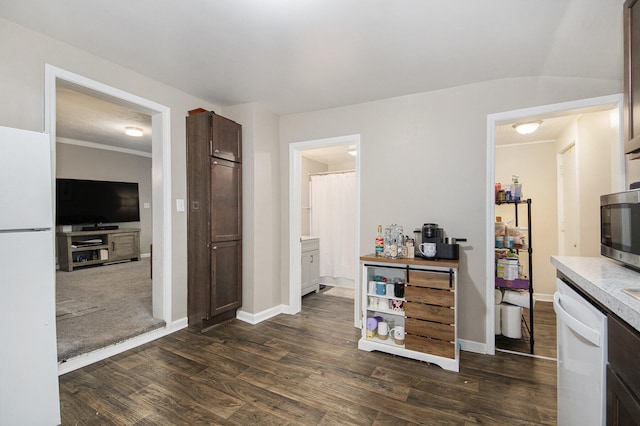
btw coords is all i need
(632, 78)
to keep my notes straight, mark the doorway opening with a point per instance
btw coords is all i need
(160, 189)
(298, 210)
(547, 198)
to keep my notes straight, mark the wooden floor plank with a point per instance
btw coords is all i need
(304, 369)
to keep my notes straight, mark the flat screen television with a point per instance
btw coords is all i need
(95, 202)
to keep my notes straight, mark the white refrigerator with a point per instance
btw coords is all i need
(29, 393)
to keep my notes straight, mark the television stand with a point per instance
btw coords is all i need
(100, 228)
(85, 248)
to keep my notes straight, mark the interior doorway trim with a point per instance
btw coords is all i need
(618, 163)
(295, 207)
(160, 174)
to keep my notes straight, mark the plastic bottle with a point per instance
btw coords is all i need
(379, 242)
(516, 191)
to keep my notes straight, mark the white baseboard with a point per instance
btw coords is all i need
(543, 297)
(254, 319)
(471, 346)
(104, 353)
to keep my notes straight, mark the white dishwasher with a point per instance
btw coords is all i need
(582, 358)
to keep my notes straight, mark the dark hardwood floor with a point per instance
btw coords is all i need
(298, 370)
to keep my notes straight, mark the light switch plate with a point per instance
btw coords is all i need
(180, 204)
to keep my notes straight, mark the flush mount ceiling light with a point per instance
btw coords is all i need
(527, 128)
(136, 132)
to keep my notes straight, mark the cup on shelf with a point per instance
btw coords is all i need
(383, 330)
(372, 287)
(397, 305)
(398, 335)
(389, 289)
(380, 288)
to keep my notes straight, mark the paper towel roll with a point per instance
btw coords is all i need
(515, 297)
(498, 320)
(511, 321)
(498, 296)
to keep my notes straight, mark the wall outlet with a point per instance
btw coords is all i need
(180, 204)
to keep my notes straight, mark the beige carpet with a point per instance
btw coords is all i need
(100, 306)
(343, 292)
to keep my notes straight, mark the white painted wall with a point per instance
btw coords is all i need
(536, 166)
(261, 207)
(595, 138)
(437, 143)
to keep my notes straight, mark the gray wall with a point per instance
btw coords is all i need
(78, 162)
(437, 141)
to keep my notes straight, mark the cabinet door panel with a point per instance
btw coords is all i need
(123, 246)
(226, 138)
(623, 408)
(226, 200)
(429, 296)
(430, 329)
(429, 312)
(430, 346)
(226, 276)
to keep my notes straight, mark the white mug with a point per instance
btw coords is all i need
(398, 334)
(383, 330)
(428, 249)
(390, 290)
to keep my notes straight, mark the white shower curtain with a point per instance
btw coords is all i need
(333, 221)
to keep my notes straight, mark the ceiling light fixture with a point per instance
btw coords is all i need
(527, 128)
(352, 152)
(136, 132)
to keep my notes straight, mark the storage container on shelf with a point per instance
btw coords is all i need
(518, 237)
(501, 232)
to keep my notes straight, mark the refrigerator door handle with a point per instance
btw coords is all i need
(572, 322)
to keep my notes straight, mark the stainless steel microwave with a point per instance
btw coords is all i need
(620, 227)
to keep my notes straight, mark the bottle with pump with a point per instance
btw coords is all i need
(516, 191)
(379, 242)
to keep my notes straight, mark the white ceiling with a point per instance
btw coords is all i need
(304, 55)
(88, 117)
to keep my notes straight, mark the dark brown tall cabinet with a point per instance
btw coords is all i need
(214, 242)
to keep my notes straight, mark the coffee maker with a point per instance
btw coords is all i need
(431, 233)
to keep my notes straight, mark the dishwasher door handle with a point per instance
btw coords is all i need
(572, 322)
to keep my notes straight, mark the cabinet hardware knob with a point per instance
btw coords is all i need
(215, 162)
(216, 151)
(215, 247)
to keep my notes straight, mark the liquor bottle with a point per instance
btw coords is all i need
(379, 242)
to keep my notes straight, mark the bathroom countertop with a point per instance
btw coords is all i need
(604, 280)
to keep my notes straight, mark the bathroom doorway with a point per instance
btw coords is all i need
(324, 157)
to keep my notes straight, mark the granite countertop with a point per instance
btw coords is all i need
(604, 279)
